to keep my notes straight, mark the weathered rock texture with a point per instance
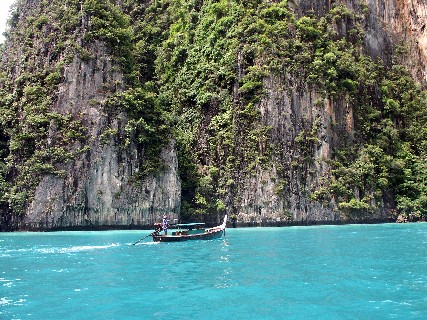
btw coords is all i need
(399, 21)
(289, 108)
(98, 189)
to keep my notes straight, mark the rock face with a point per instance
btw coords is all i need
(98, 187)
(394, 21)
(388, 23)
(288, 108)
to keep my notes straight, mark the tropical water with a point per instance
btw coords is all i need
(319, 272)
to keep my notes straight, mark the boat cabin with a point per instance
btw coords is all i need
(189, 228)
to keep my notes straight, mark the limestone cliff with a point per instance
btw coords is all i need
(274, 112)
(399, 21)
(96, 187)
(290, 109)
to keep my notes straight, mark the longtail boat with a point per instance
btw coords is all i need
(191, 231)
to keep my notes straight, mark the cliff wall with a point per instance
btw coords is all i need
(98, 189)
(273, 112)
(396, 22)
(95, 186)
(290, 109)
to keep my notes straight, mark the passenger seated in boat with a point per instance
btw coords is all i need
(157, 227)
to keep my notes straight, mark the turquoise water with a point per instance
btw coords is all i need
(321, 272)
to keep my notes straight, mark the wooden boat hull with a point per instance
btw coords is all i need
(201, 236)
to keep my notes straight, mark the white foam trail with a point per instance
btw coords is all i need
(75, 249)
(5, 301)
(145, 243)
(86, 248)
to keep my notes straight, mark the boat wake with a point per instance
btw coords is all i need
(75, 249)
(144, 243)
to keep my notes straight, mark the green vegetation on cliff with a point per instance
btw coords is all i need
(36, 139)
(196, 71)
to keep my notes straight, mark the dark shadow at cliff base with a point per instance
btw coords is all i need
(310, 223)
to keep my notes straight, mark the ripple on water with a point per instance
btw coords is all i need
(345, 272)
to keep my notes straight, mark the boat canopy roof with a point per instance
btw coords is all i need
(187, 225)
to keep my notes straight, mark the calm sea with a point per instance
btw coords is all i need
(320, 272)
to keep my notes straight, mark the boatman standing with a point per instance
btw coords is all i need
(165, 224)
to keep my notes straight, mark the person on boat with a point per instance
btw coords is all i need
(165, 224)
(157, 227)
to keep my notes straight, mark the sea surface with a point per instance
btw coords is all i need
(318, 272)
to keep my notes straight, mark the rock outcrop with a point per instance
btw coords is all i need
(98, 187)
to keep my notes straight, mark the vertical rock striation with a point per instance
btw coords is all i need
(393, 22)
(280, 192)
(99, 188)
(258, 122)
